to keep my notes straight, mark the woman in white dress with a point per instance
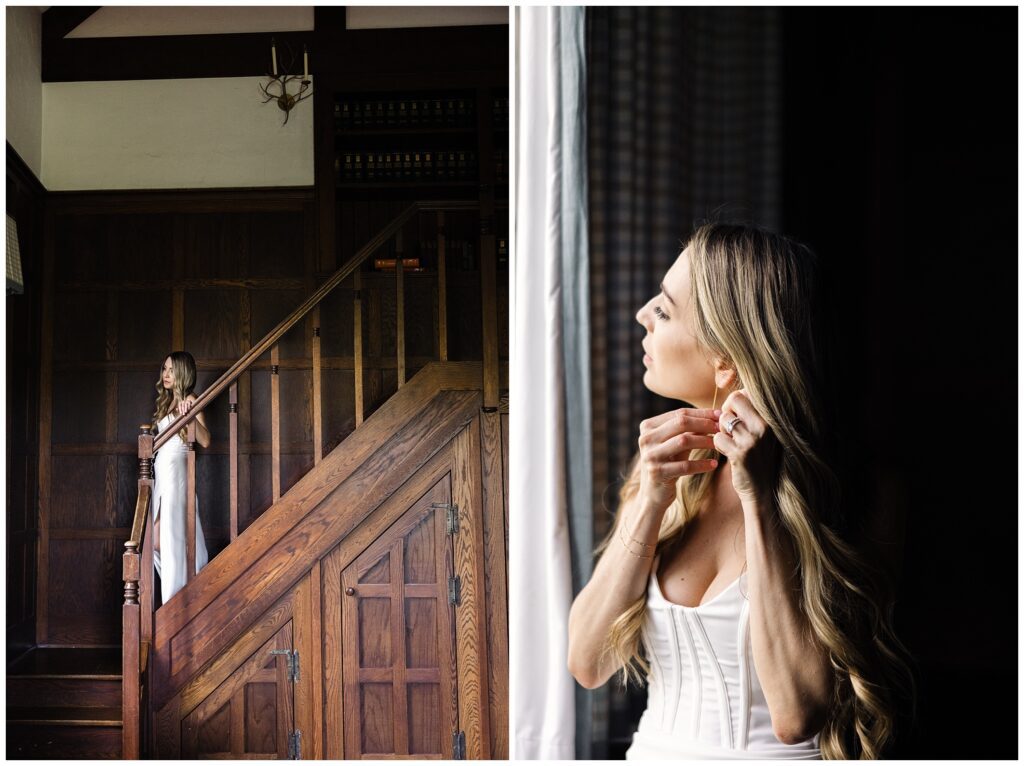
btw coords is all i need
(175, 397)
(724, 583)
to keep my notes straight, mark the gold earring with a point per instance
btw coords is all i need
(715, 400)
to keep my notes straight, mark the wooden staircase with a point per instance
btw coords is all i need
(364, 614)
(64, 703)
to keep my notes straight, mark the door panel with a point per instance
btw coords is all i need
(397, 627)
(251, 714)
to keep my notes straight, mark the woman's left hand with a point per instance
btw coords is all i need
(185, 406)
(752, 449)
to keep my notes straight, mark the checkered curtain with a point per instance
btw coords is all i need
(684, 122)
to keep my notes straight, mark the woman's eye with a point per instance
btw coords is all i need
(659, 313)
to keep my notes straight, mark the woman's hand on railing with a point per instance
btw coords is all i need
(202, 432)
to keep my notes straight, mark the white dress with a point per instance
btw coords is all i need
(704, 698)
(170, 481)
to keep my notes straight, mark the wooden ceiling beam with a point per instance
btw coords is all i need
(376, 51)
(330, 18)
(60, 20)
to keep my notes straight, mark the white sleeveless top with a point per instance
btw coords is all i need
(704, 698)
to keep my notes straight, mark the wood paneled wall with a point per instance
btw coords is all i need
(139, 274)
(135, 276)
(25, 202)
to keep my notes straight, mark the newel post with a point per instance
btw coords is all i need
(146, 453)
(131, 618)
(130, 624)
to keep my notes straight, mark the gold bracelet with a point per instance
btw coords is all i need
(626, 546)
(638, 542)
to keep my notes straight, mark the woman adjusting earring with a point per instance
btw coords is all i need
(723, 584)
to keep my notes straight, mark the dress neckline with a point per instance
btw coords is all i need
(656, 586)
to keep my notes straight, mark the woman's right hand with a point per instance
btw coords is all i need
(665, 440)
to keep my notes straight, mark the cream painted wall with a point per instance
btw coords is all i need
(172, 134)
(376, 17)
(24, 84)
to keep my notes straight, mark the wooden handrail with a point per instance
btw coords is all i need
(139, 524)
(274, 335)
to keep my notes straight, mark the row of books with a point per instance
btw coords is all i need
(501, 166)
(405, 113)
(443, 165)
(499, 112)
(363, 114)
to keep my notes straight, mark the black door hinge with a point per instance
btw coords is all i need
(455, 590)
(293, 662)
(459, 746)
(294, 747)
(451, 517)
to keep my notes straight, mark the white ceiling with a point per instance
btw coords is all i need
(156, 20)
(134, 21)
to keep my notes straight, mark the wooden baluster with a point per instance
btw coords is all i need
(488, 257)
(442, 291)
(233, 456)
(190, 506)
(357, 342)
(400, 308)
(318, 444)
(489, 306)
(275, 422)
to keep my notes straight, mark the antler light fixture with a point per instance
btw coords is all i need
(286, 100)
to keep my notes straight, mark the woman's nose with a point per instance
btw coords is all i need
(643, 316)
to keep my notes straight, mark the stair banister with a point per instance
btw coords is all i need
(274, 335)
(137, 613)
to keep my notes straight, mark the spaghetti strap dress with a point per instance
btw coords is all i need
(170, 482)
(704, 698)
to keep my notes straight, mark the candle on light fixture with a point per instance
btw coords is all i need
(273, 55)
(305, 63)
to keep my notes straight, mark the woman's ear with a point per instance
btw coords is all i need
(726, 376)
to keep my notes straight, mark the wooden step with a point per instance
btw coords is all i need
(65, 702)
(68, 662)
(65, 677)
(64, 716)
(51, 741)
(63, 691)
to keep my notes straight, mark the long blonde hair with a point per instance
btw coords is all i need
(183, 368)
(754, 296)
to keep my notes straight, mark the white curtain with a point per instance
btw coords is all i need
(549, 473)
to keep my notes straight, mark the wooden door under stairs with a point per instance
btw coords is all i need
(397, 637)
(252, 713)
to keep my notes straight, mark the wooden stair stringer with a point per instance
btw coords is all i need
(334, 501)
(276, 521)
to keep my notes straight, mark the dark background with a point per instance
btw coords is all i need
(901, 164)
(899, 168)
